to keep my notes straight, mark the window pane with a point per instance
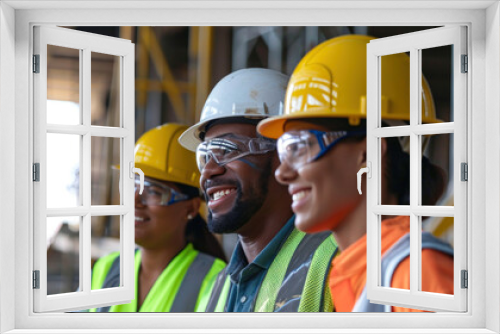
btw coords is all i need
(63, 85)
(437, 170)
(437, 255)
(105, 246)
(105, 171)
(396, 171)
(63, 170)
(395, 83)
(437, 64)
(105, 77)
(395, 252)
(63, 254)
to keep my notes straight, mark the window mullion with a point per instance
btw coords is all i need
(372, 189)
(127, 143)
(85, 245)
(414, 169)
(80, 179)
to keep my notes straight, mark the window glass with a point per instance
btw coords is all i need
(63, 85)
(436, 275)
(105, 242)
(105, 171)
(105, 77)
(395, 97)
(437, 170)
(63, 170)
(437, 67)
(63, 254)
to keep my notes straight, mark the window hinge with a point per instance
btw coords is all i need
(465, 63)
(464, 171)
(36, 63)
(465, 279)
(36, 172)
(36, 279)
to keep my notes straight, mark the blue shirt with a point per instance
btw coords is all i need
(246, 278)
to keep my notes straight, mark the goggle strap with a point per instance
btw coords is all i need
(324, 149)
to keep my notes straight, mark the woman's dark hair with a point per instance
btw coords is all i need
(398, 175)
(197, 231)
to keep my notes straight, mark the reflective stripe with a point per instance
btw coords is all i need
(100, 270)
(299, 270)
(187, 295)
(215, 296)
(112, 280)
(221, 304)
(113, 277)
(391, 260)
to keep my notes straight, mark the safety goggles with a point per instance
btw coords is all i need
(227, 149)
(298, 148)
(156, 194)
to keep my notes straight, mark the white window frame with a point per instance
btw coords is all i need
(123, 50)
(415, 43)
(16, 21)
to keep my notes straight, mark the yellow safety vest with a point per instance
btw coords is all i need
(181, 287)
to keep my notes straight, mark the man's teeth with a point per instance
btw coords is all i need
(140, 219)
(221, 193)
(299, 195)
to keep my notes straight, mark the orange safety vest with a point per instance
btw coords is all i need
(348, 275)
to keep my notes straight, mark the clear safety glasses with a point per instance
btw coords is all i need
(227, 149)
(156, 194)
(298, 148)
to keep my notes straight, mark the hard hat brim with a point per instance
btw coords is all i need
(274, 127)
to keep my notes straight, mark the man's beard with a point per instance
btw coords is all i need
(243, 210)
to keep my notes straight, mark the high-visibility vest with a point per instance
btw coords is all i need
(391, 260)
(296, 281)
(181, 286)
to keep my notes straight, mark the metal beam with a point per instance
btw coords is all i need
(153, 46)
(204, 68)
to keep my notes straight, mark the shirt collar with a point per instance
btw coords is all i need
(266, 256)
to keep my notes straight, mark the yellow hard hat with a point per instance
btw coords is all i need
(330, 82)
(159, 155)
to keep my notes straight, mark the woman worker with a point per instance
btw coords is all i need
(178, 258)
(322, 145)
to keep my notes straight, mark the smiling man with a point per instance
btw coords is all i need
(274, 267)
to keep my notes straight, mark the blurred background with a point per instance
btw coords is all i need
(175, 69)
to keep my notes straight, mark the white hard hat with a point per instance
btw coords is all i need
(253, 93)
